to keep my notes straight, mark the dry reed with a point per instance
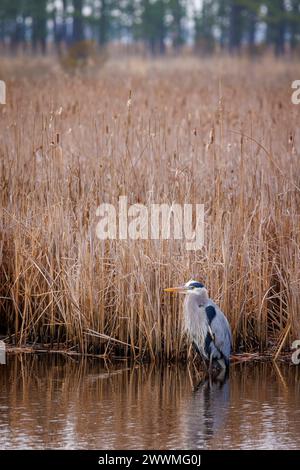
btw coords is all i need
(219, 132)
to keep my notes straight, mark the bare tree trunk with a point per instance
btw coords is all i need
(78, 34)
(235, 29)
(280, 33)
(104, 23)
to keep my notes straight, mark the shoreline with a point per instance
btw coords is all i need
(234, 358)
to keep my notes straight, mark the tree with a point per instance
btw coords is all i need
(78, 33)
(60, 24)
(294, 23)
(235, 25)
(38, 13)
(276, 25)
(104, 22)
(177, 11)
(222, 21)
(251, 9)
(204, 23)
(153, 25)
(12, 22)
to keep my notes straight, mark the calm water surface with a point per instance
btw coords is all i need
(48, 401)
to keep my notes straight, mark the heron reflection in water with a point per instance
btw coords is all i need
(206, 412)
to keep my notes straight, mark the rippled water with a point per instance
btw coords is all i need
(49, 401)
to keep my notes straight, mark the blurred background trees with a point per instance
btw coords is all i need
(41, 26)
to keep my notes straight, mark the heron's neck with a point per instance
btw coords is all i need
(192, 313)
(197, 299)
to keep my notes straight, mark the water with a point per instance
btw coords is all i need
(54, 402)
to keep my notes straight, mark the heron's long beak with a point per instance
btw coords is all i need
(179, 289)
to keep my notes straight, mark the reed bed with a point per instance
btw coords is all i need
(221, 132)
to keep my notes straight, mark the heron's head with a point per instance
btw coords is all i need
(190, 288)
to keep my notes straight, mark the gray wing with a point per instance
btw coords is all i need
(220, 329)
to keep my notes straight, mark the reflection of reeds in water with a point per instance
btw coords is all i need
(266, 397)
(72, 143)
(60, 403)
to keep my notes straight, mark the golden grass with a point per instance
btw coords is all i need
(219, 132)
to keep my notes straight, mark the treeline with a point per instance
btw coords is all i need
(207, 25)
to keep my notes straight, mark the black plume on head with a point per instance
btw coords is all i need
(196, 284)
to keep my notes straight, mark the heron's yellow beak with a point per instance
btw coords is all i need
(179, 289)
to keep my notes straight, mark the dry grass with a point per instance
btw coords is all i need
(223, 133)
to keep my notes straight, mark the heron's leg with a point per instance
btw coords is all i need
(201, 356)
(201, 384)
(221, 377)
(205, 364)
(210, 362)
(224, 370)
(222, 363)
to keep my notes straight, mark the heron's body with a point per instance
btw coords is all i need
(208, 329)
(206, 324)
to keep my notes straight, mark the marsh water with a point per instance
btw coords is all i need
(52, 401)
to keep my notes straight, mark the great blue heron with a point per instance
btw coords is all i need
(205, 324)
